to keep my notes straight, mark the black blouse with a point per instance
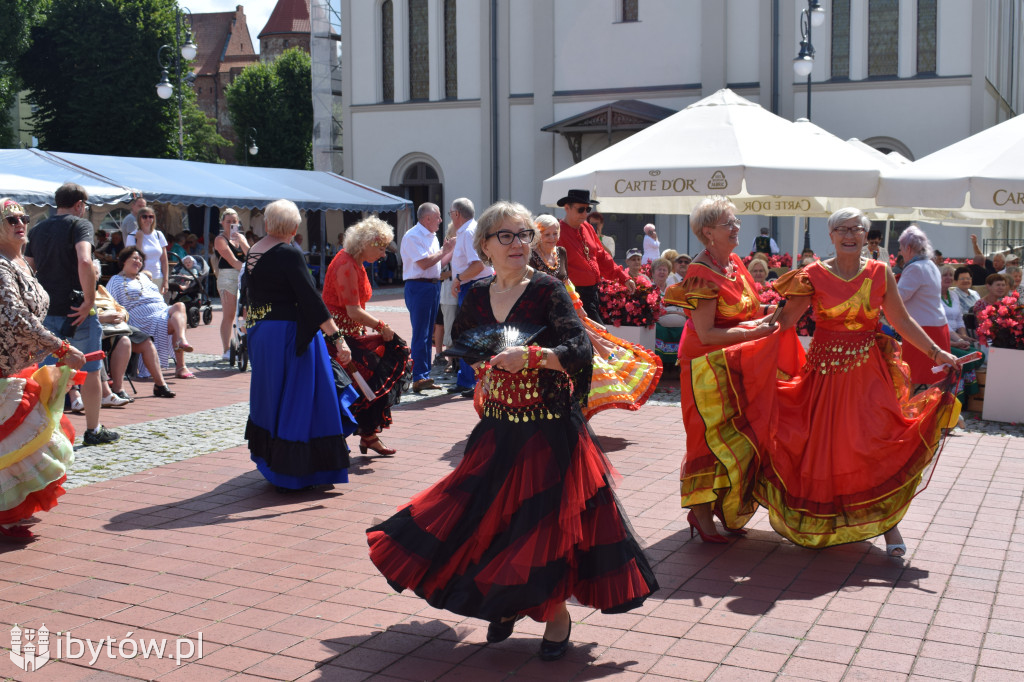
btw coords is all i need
(276, 285)
(544, 301)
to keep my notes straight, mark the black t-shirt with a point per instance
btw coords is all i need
(979, 274)
(52, 248)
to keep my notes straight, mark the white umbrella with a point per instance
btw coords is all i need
(723, 144)
(981, 176)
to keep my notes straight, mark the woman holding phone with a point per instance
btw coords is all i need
(231, 246)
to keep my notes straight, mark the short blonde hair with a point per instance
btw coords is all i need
(494, 216)
(281, 218)
(226, 212)
(707, 213)
(758, 261)
(670, 254)
(367, 232)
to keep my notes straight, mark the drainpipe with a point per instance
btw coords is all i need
(494, 100)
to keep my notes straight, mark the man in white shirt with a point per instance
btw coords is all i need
(422, 258)
(466, 267)
(652, 247)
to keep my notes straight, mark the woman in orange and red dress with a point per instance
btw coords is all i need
(381, 357)
(722, 305)
(825, 479)
(624, 374)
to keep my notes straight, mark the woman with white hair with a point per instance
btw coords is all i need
(381, 357)
(920, 287)
(297, 423)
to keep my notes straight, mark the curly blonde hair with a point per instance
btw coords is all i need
(367, 232)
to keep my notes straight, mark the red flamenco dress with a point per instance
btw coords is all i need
(381, 363)
(720, 467)
(845, 447)
(528, 518)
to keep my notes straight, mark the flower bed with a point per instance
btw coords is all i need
(642, 308)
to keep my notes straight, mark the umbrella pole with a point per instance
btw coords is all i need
(796, 242)
(888, 227)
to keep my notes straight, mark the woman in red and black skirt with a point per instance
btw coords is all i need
(528, 518)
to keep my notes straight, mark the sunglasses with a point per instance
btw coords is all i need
(582, 209)
(15, 219)
(147, 217)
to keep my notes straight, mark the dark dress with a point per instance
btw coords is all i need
(528, 518)
(297, 421)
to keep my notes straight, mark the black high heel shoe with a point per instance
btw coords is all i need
(163, 392)
(691, 519)
(552, 651)
(734, 531)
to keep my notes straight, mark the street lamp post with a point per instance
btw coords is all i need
(250, 144)
(169, 57)
(813, 16)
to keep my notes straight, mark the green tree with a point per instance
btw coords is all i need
(19, 17)
(91, 71)
(276, 99)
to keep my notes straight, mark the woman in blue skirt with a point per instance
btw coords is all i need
(297, 419)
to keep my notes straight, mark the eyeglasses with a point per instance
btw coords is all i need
(846, 231)
(15, 219)
(684, 261)
(582, 209)
(735, 222)
(147, 217)
(505, 237)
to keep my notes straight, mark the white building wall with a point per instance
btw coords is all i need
(743, 46)
(521, 28)
(953, 38)
(469, 58)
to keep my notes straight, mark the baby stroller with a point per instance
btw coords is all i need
(238, 351)
(188, 285)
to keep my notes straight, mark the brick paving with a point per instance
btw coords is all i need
(281, 588)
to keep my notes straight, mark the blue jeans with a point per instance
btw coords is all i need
(466, 378)
(422, 299)
(88, 338)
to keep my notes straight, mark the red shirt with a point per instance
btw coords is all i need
(587, 261)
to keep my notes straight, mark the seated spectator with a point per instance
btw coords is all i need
(679, 265)
(758, 269)
(192, 245)
(166, 324)
(633, 258)
(120, 340)
(660, 270)
(998, 286)
(670, 255)
(982, 267)
(965, 295)
(1014, 273)
(176, 253)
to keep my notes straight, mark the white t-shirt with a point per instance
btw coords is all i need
(464, 254)
(152, 245)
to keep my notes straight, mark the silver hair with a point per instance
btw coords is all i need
(464, 207)
(845, 214)
(916, 242)
(426, 208)
(948, 267)
(364, 233)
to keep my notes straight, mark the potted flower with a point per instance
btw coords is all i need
(632, 315)
(1001, 326)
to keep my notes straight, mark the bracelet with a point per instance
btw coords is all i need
(379, 327)
(933, 352)
(63, 350)
(534, 356)
(333, 338)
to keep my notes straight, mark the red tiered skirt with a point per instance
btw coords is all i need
(527, 520)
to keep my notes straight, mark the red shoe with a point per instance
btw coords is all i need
(16, 534)
(691, 518)
(734, 531)
(375, 444)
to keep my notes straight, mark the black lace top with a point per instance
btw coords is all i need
(559, 271)
(544, 301)
(276, 285)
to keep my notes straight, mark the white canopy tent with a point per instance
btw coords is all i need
(981, 176)
(723, 144)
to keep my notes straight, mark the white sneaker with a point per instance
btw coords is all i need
(77, 405)
(114, 400)
(226, 357)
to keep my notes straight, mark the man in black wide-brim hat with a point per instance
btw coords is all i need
(586, 259)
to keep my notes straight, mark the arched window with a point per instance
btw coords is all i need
(419, 50)
(883, 37)
(451, 52)
(387, 43)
